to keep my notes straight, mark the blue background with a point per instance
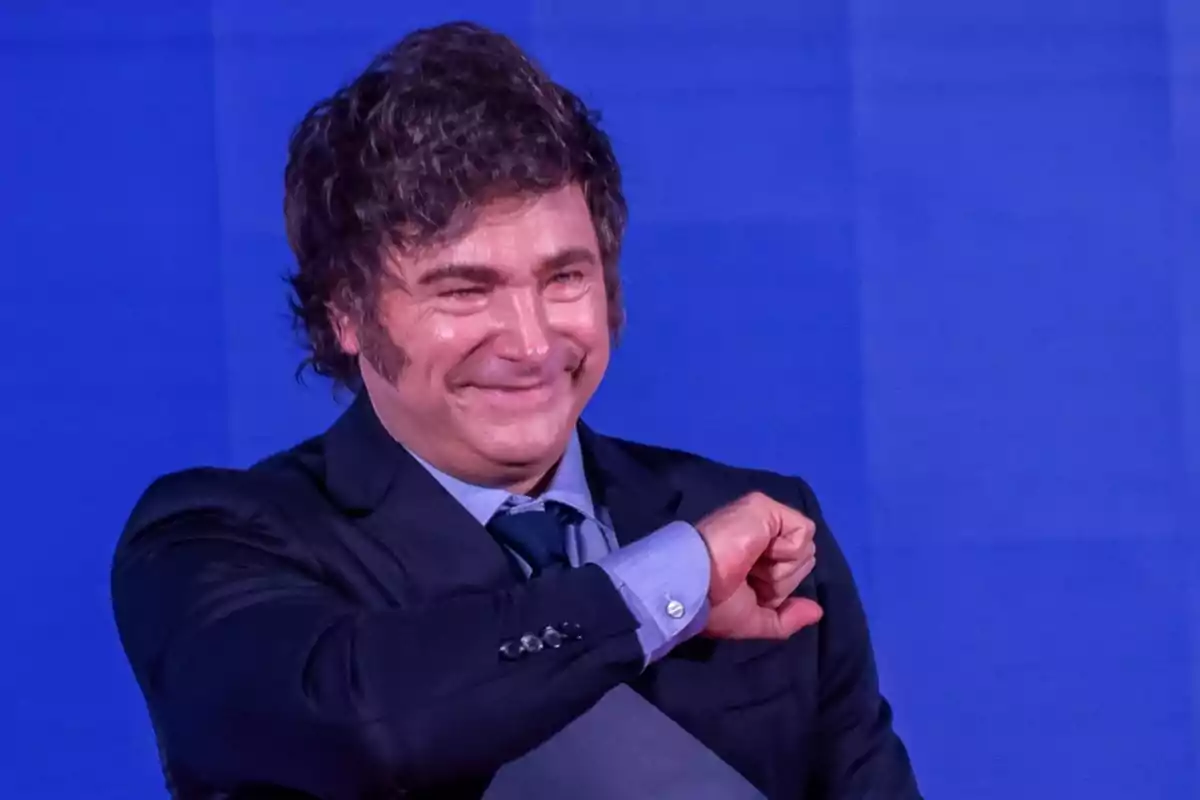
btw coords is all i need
(956, 247)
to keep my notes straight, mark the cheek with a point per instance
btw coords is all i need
(444, 334)
(585, 320)
(436, 345)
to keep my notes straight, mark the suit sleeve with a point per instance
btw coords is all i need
(259, 669)
(860, 754)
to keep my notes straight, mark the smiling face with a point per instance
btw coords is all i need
(486, 350)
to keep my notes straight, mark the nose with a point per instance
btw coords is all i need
(526, 331)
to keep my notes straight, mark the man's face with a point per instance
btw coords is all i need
(486, 353)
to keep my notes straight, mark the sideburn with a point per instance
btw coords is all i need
(376, 346)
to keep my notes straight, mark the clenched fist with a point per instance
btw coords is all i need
(759, 550)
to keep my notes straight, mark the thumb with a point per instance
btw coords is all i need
(796, 613)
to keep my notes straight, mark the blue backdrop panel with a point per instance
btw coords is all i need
(115, 366)
(941, 258)
(1022, 389)
(1183, 25)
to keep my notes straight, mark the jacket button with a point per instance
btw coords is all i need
(552, 638)
(511, 651)
(531, 643)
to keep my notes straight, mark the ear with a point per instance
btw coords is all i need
(346, 330)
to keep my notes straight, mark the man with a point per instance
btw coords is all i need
(458, 574)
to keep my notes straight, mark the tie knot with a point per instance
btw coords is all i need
(537, 535)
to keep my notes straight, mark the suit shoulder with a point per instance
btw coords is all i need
(237, 495)
(196, 488)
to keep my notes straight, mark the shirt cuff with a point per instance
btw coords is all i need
(663, 578)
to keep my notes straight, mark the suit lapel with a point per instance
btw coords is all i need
(638, 499)
(440, 548)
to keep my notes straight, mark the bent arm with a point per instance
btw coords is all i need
(258, 669)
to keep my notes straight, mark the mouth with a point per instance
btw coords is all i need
(517, 395)
(512, 387)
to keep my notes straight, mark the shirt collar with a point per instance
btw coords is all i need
(568, 486)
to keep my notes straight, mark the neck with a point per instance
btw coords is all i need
(535, 485)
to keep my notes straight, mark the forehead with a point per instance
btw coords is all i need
(516, 234)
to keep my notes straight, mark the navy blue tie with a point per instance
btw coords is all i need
(538, 536)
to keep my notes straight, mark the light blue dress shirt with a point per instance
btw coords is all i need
(662, 577)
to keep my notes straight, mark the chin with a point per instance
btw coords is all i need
(531, 442)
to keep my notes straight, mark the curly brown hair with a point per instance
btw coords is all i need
(402, 157)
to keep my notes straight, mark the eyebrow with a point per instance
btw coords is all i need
(568, 257)
(485, 273)
(472, 273)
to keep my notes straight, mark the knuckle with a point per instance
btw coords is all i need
(755, 498)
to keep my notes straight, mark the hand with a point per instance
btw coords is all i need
(788, 560)
(759, 552)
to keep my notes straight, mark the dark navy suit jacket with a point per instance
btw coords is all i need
(328, 623)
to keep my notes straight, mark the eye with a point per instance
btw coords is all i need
(467, 293)
(568, 276)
